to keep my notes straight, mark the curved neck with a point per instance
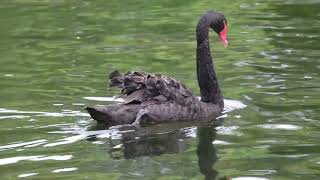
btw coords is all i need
(208, 83)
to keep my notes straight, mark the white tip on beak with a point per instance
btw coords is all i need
(225, 43)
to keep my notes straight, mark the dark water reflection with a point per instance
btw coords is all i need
(54, 60)
(168, 139)
(206, 152)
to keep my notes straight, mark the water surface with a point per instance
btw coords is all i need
(56, 54)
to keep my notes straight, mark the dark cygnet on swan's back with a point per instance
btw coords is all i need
(155, 98)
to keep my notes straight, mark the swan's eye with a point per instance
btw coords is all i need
(223, 34)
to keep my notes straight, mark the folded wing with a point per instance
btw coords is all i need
(144, 88)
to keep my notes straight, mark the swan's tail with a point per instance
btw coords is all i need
(100, 114)
(116, 114)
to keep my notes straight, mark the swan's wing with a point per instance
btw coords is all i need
(141, 87)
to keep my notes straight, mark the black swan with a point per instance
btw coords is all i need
(155, 98)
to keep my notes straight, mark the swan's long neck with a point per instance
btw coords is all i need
(208, 83)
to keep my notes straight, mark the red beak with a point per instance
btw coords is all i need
(223, 35)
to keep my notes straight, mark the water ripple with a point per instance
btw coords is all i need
(249, 178)
(18, 114)
(13, 160)
(27, 175)
(280, 126)
(25, 144)
(67, 140)
(65, 170)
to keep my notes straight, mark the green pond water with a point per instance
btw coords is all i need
(55, 56)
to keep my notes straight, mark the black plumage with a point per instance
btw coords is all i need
(155, 98)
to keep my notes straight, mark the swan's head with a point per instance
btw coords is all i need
(220, 26)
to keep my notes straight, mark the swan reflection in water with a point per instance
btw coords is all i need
(168, 138)
(207, 153)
